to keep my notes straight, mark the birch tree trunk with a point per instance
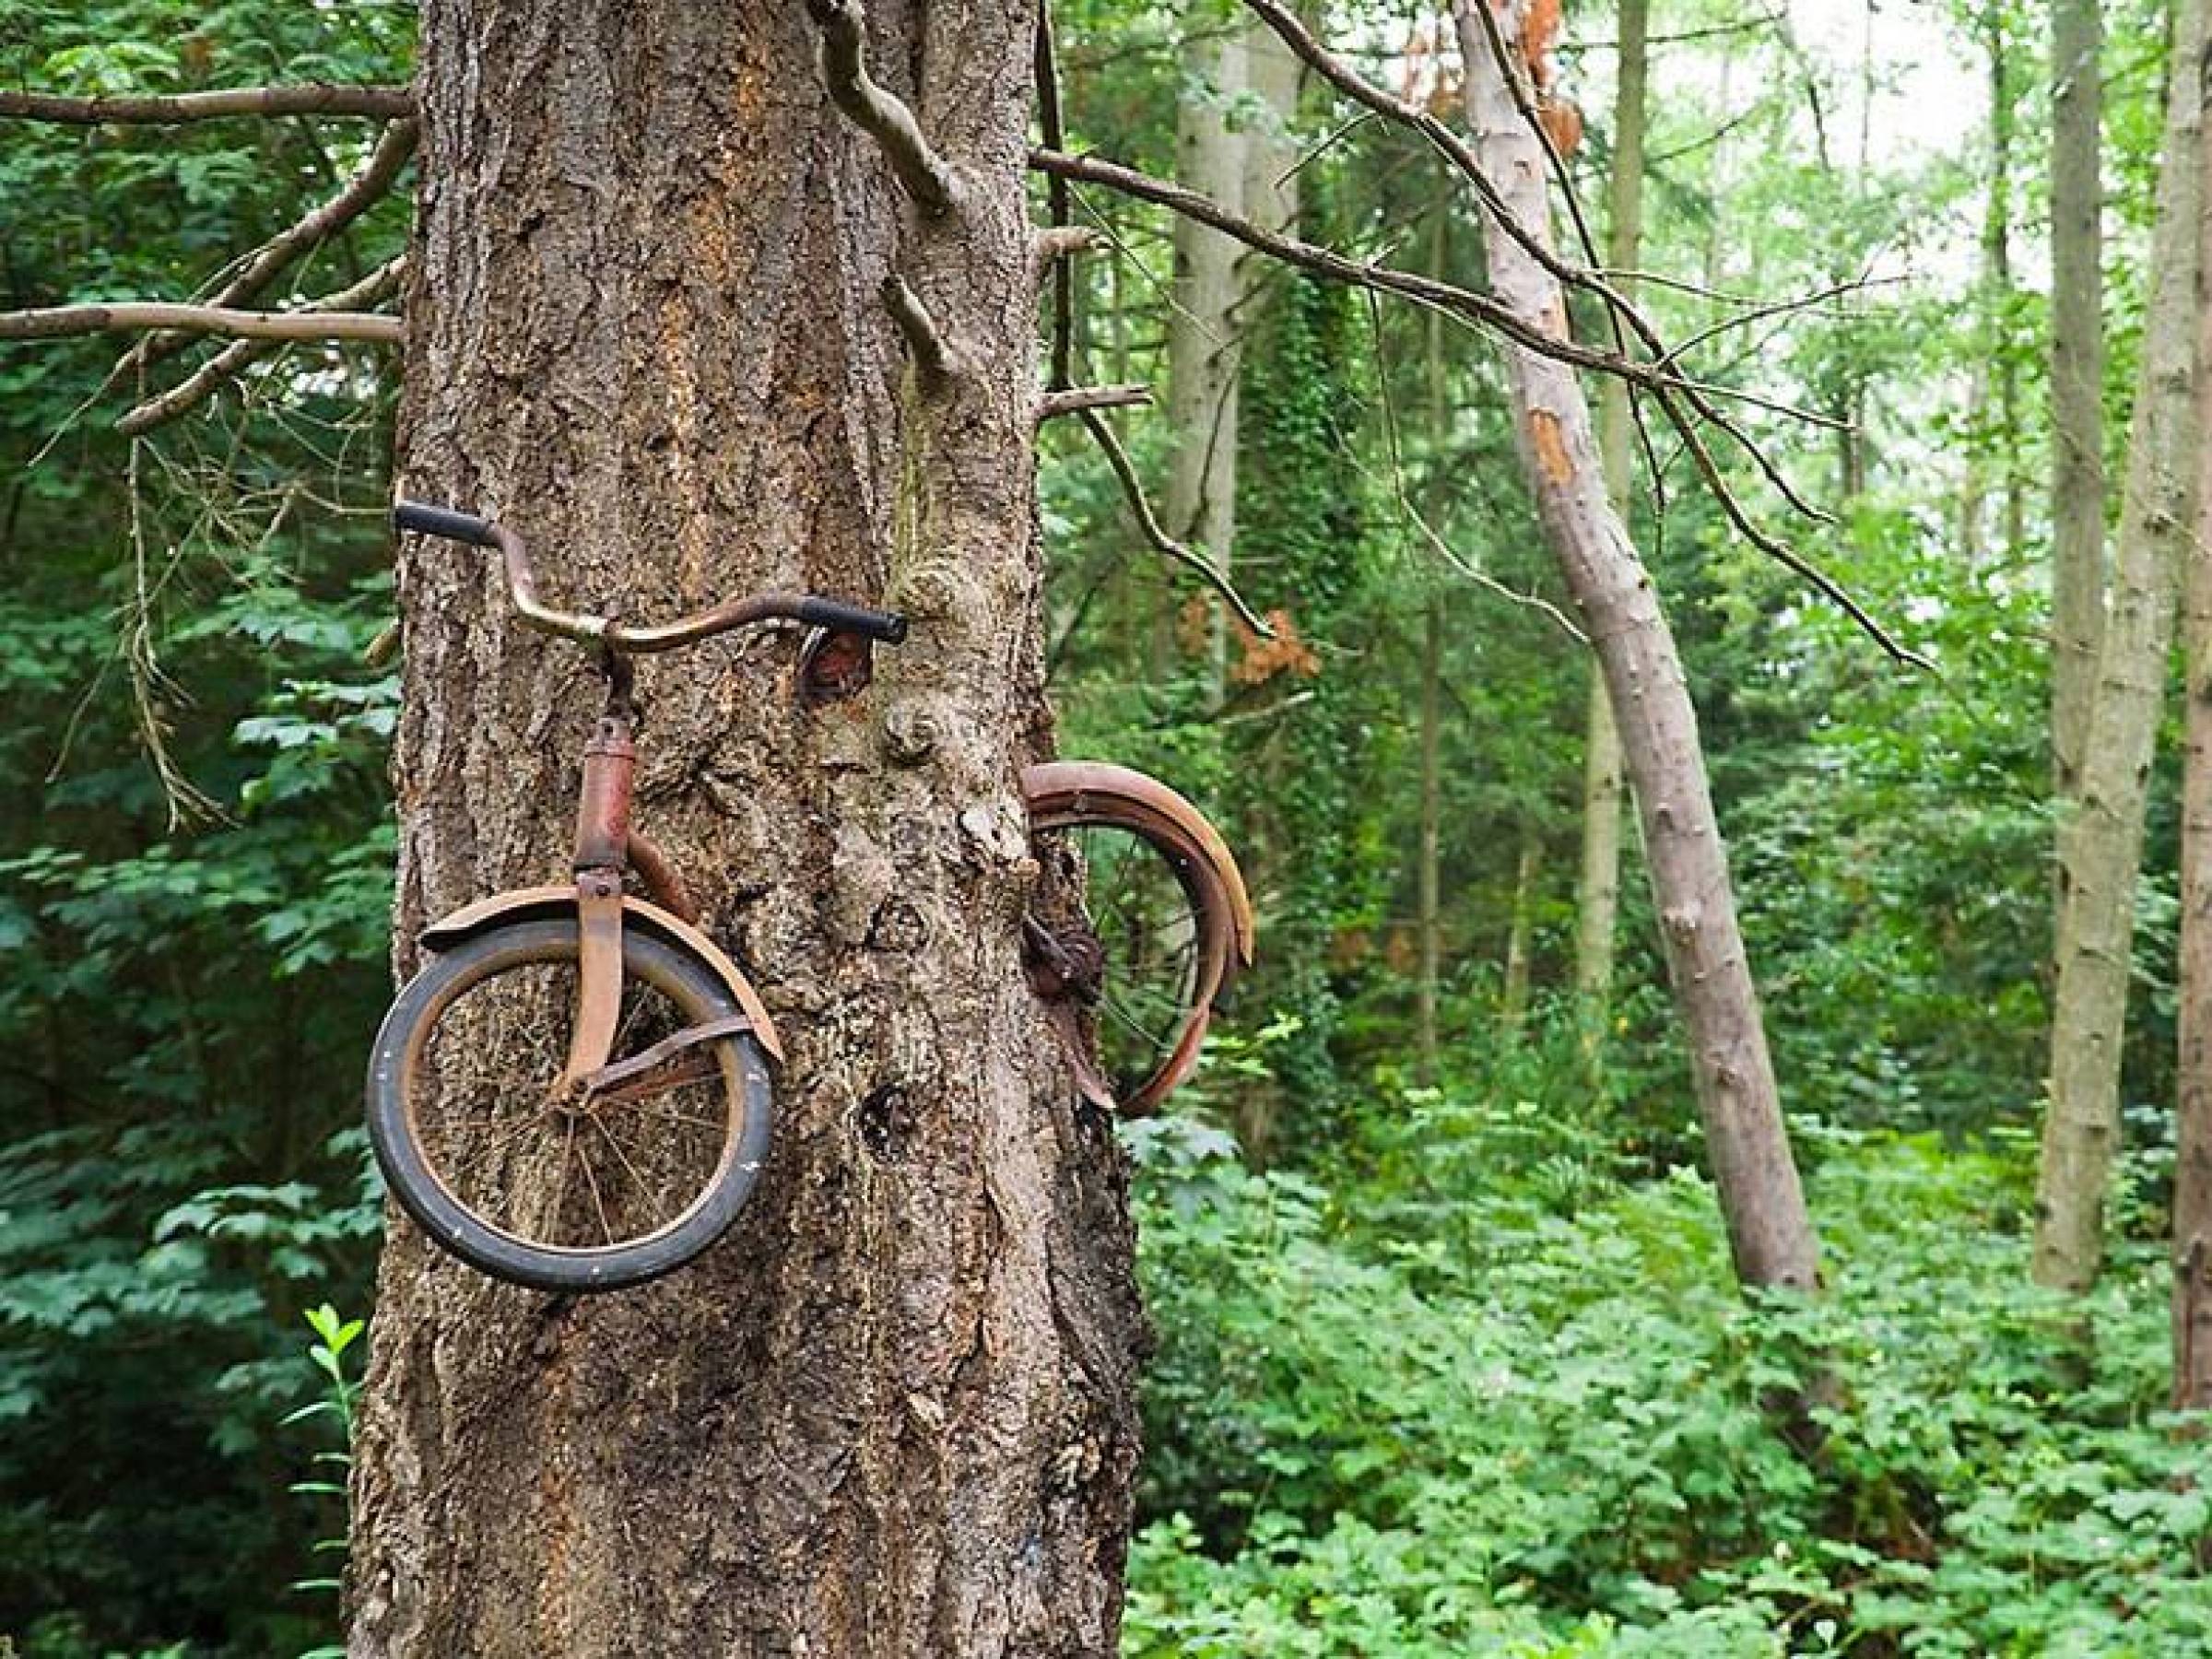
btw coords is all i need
(2076, 384)
(2101, 834)
(1597, 890)
(2192, 1105)
(1770, 1233)
(892, 1413)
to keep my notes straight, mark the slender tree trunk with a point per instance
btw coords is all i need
(891, 1413)
(1770, 1233)
(1598, 889)
(1429, 885)
(1203, 323)
(2193, 1107)
(1512, 1001)
(1427, 907)
(2100, 835)
(1995, 393)
(2076, 384)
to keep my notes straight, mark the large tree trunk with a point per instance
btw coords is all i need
(891, 1413)
(1770, 1233)
(1598, 889)
(2192, 1105)
(2101, 834)
(2076, 384)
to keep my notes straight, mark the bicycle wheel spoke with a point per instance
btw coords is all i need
(606, 1228)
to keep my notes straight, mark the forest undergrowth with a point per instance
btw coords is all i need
(1493, 1391)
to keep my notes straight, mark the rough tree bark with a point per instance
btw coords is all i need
(2192, 1105)
(2101, 834)
(2076, 384)
(891, 1413)
(1597, 887)
(1770, 1233)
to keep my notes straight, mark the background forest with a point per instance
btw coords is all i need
(1449, 1358)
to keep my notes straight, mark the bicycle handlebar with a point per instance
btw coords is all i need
(421, 519)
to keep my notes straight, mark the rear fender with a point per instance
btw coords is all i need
(529, 904)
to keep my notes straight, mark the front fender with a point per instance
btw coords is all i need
(528, 904)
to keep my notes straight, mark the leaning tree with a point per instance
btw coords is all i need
(713, 299)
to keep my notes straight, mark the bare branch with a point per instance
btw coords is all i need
(1133, 488)
(1449, 297)
(932, 356)
(923, 173)
(1624, 316)
(1060, 371)
(316, 98)
(52, 322)
(228, 363)
(1075, 400)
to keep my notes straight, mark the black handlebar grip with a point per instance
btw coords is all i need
(887, 626)
(424, 520)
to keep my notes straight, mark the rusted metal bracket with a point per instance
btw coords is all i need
(834, 664)
(598, 971)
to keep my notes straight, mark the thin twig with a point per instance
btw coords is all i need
(1442, 548)
(1780, 308)
(921, 172)
(316, 98)
(228, 363)
(1133, 488)
(52, 322)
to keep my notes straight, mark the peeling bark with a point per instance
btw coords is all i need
(1770, 1233)
(892, 1413)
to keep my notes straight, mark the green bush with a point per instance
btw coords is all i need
(1487, 1398)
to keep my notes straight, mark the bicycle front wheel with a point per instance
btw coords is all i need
(558, 1184)
(1163, 927)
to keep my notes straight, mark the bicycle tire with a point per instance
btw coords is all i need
(402, 1085)
(1077, 797)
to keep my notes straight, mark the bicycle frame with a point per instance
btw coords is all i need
(607, 847)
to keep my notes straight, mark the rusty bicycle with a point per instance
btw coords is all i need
(576, 1091)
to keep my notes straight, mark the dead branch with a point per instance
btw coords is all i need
(1058, 242)
(1133, 488)
(1075, 400)
(921, 172)
(315, 97)
(52, 322)
(228, 363)
(260, 267)
(1449, 297)
(932, 356)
